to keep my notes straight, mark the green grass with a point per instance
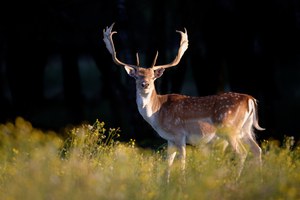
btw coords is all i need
(91, 164)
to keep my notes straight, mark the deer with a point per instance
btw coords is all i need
(183, 120)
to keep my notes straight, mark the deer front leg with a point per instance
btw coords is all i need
(182, 156)
(171, 156)
(172, 150)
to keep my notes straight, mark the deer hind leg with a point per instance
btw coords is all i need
(221, 144)
(255, 149)
(248, 137)
(241, 151)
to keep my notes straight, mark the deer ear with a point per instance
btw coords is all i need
(130, 71)
(158, 72)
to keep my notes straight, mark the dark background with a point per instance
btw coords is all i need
(56, 72)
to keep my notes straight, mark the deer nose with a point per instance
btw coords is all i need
(145, 84)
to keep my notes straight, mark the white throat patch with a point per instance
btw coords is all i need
(145, 107)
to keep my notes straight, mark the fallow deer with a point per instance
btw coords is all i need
(182, 119)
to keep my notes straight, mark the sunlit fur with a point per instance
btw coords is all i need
(184, 119)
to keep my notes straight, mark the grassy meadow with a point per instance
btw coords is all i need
(90, 163)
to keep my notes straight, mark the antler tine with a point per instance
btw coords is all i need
(137, 60)
(183, 47)
(107, 38)
(154, 61)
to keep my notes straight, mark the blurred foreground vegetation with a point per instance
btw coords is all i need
(92, 164)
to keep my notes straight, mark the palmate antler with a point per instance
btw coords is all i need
(183, 47)
(107, 38)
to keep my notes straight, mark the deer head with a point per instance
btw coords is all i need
(144, 77)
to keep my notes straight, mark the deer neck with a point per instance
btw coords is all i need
(148, 104)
